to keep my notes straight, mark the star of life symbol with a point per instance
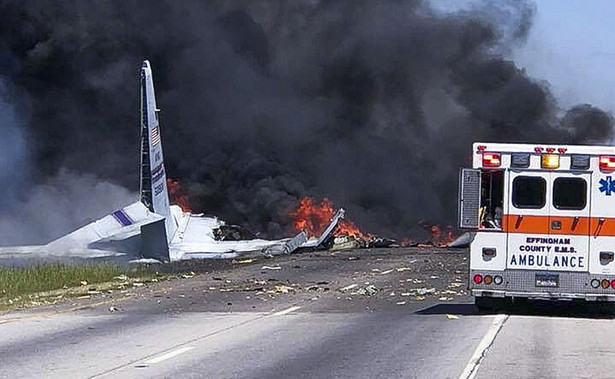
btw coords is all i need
(607, 185)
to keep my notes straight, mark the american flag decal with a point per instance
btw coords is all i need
(155, 135)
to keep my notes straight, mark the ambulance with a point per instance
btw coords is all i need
(541, 220)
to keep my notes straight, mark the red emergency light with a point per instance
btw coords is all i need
(492, 159)
(607, 163)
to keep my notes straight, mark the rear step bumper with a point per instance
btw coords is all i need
(543, 295)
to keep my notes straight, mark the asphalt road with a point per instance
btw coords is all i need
(361, 314)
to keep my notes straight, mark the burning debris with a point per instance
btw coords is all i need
(442, 237)
(312, 218)
(439, 236)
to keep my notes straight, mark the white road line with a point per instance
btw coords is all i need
(286, 311)
(169, 355)
(470, 371)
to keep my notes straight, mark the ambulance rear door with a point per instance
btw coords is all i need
(569, 221)
(528, 219)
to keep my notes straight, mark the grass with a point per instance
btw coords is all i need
(16, 283)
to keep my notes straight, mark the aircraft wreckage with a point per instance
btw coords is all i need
(151, 227)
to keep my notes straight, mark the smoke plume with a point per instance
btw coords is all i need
(59, 205)
(374, 104)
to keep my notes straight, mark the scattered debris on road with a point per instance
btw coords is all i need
(271, 268)
(347, 288)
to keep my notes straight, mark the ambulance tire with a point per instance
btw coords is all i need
(491, 304)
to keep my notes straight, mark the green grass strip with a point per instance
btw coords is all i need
(47, 277)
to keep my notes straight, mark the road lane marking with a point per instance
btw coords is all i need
(472, 367)
(192, 341)
(196, 339)
(286, 311)
(169, 355)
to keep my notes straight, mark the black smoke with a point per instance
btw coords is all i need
(372, 103)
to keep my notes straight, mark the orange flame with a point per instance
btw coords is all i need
(177, 196)
(313, 219)
(442, 237)
(439, 236)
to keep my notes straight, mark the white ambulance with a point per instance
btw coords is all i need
(542, 218)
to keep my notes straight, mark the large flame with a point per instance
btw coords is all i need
(177, 196)
(313, 218)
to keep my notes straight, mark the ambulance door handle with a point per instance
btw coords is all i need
(575, 222)
(556, 225)
(518, 222)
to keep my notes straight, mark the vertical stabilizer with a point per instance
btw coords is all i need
(154, 192)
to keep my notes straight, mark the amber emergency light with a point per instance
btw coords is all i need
(550, 161)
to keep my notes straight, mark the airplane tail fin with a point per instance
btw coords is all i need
(153, 191)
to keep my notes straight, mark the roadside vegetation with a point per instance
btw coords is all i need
(47, 283)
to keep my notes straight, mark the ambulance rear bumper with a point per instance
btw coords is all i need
(543, 285)
(543, 295)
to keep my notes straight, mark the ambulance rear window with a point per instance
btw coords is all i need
(529, 192)
(570, 193)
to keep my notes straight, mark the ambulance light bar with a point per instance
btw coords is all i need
(607, 163)
(520, 160)
(579, 162)
(550, 161)
(492, 159)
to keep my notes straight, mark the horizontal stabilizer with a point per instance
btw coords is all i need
(115, 229)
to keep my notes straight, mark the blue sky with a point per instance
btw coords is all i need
(571, 45)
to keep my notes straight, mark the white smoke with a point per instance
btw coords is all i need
(38, 214)
(59, 205)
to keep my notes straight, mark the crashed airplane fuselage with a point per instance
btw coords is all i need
(152, 227)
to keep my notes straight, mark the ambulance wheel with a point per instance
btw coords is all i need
(490, 303)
